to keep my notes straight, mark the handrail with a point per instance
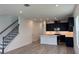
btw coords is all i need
(8, 27)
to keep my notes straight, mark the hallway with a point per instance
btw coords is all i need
(36, 48)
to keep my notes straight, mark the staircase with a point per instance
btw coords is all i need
(8, 38)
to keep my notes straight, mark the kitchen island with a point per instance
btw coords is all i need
(48, 39)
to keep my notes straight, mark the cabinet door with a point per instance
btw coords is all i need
(63, 27)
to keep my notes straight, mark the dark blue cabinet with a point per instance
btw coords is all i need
(70, 23)
(69, 42)
(53, 26)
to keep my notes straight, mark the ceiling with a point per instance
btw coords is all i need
(37, 10)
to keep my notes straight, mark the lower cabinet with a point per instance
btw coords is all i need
(69, 42)
(48, 39)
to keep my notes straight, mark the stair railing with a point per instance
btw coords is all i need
(3, 46)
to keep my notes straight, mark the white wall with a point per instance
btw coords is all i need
(5, 21)
(76, 35)
(29, 31)
(36, 31)
(76, 29)
(24, 37)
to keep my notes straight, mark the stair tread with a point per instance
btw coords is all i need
(6, 40)
(0, 51)
(15, 32)
(12, 34)
(9, 37)
(5, 44)
(0, 48)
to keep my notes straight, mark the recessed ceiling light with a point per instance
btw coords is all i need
(20, 12)
(57, 5)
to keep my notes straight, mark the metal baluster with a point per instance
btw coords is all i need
(3, 46)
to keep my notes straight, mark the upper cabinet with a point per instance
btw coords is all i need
(70, 23)
(58, 26)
